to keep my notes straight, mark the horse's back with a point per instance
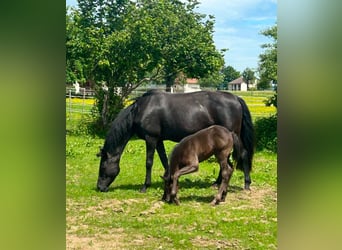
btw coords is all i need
(175, 116)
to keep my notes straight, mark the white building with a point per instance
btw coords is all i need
(191, 85)
(238, 84)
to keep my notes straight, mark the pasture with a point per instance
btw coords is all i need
(123, 218)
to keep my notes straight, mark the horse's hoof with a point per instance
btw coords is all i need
(143, 190)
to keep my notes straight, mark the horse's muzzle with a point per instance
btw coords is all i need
(102, 189)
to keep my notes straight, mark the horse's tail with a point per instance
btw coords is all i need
(236, 145)
(247, 136)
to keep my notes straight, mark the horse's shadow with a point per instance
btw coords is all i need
(183, 184)
(200, 184)
(130, 187)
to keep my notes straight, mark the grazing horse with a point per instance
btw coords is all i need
(157, 116)
(193, 149)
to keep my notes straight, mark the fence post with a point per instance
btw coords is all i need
(83, 101)
(70, 104)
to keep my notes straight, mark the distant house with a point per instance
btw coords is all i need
(238, 84)
(191, 85)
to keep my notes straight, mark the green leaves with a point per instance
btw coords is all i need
(268, 60)
(125, 43)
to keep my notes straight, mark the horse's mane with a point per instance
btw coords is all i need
(121, 129)
(152, 92)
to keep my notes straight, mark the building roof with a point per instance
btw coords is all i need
(191, 80)
(238, 80)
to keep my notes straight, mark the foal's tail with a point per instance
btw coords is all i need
(247, 136)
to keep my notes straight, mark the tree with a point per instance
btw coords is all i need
(248, 75)
(263, 84)
(214, 80)
(184, 40)
(230, 74)
(268, 62)
(123, 44)
(74, 68)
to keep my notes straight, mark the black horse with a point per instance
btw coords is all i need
(157, 116)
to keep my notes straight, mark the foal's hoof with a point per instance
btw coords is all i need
(166, 198)
(214, 202)
(143, 189)
(176, 201)
(163, 177)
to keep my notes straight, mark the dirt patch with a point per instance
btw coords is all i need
(82, 231)
(202, 242)
(113, 240)
(98, 238)
(255, 199)
(153, 209)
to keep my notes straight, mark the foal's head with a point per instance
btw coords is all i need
(167, 189)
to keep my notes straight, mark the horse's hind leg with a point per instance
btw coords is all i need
(246, 168)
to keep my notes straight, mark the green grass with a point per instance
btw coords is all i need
(124, 218)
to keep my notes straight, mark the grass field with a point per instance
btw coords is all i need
(123, 218)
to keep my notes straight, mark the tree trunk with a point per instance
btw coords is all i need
(104, 110)
(169, 81)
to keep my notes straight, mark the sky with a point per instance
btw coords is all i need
(238, 24)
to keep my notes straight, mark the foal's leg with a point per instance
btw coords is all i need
(226, 173)
(218, 181)
(185, 170)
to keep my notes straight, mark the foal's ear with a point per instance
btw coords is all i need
(109, 155)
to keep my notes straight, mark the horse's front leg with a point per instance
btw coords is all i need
(150, 148)
(163, 158)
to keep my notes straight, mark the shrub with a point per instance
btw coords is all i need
(266, 133)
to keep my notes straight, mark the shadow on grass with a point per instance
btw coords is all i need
(183, 184)
(208, 198)
(137, 187)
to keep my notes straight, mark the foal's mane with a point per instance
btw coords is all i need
(121, 129)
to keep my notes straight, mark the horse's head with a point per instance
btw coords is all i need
(109, 169)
